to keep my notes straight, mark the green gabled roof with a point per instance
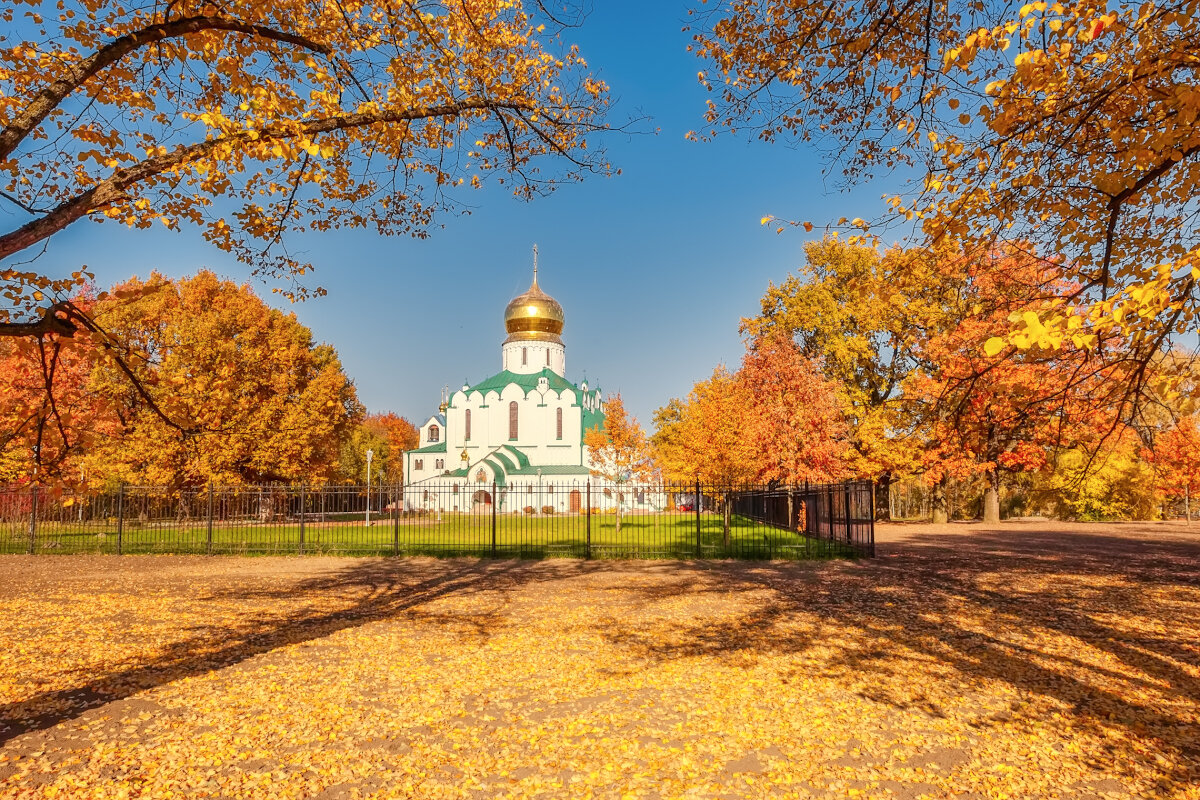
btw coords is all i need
(553, 469)
(528, 383)
(458, 473)
(440, 447)
(497, 469)
(509, 464)
(522, 459)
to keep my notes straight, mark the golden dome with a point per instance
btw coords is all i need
(534, 316)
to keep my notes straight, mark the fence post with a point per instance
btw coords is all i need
(699, 551)
(303, 497)
(849, 521)
(493, 518)
(872, 544)
(33, 494)
(208, 540)
(588, 510)
(396, 520)
(120, 517)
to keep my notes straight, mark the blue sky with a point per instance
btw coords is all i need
(654, 267)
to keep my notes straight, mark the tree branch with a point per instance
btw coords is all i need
(114, 188)
(50, 97)
(51, 322)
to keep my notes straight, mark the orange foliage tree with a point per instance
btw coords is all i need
(43, 432)
(982, 411)
(704, 436)
(387, 436)
(1066, 125)
(1176, 457)
(256, 398)
(619, 451)
(775, 420)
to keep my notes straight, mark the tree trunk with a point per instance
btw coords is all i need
(939, 500)
(1187, 505)
(883, 497)
(991, 497)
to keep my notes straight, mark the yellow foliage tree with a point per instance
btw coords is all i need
(251, 119)
(1070, 126)
(619, 451)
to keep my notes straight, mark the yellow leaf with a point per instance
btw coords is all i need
(993, 346)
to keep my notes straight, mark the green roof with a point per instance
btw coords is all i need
(528, 383)
(440, 447)
(553, 469)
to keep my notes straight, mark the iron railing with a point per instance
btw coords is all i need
(579, 518)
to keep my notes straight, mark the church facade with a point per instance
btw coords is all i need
(520, 430)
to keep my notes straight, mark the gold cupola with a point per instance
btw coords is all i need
(534, 316)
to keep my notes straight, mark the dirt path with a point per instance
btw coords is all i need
(1022, 660)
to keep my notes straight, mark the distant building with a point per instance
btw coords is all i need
(521, 429)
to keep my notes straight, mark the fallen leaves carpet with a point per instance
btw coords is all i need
(1030, 660)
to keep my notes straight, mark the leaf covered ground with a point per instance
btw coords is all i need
(1030, 660)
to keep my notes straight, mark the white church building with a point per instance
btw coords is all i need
(521, 430)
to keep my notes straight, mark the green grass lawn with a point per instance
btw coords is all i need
(667, 535)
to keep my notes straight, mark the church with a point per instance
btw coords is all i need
(521, 429)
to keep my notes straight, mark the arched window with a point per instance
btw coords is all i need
(512, 420)
(467, 424)
(524, 356)
(559, 422)
(547, 356)
(435, 433)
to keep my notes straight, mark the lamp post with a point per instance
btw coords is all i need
(370, 455)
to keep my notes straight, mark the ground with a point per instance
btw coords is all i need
(1025, 660)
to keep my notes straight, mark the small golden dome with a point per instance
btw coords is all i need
(534, 316)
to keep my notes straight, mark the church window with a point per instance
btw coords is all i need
(441, 463)
(559, 422)
(420, 463)
(524, 356)
(550, 489)
(547, 356)
(456, 488)
(467, 424)
(435, 433)
(512, 420)
(529, 489)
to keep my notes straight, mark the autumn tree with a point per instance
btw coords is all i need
(265, 402)
(794, 421)
(862, 316)
(254, 120)
(1176, 457)
(618, 451)
(704, 436)
(1066, 126)
(387, 436)
(43, 431)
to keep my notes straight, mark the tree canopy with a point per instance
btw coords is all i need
(1068, 127)
(251, 120)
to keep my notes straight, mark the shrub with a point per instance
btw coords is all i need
(547, 509)
(529, 509)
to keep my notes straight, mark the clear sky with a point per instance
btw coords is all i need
(654, 268)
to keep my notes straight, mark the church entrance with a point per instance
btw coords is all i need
(575, 503)
(482, 498)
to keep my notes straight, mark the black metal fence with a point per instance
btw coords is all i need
(585, 519)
